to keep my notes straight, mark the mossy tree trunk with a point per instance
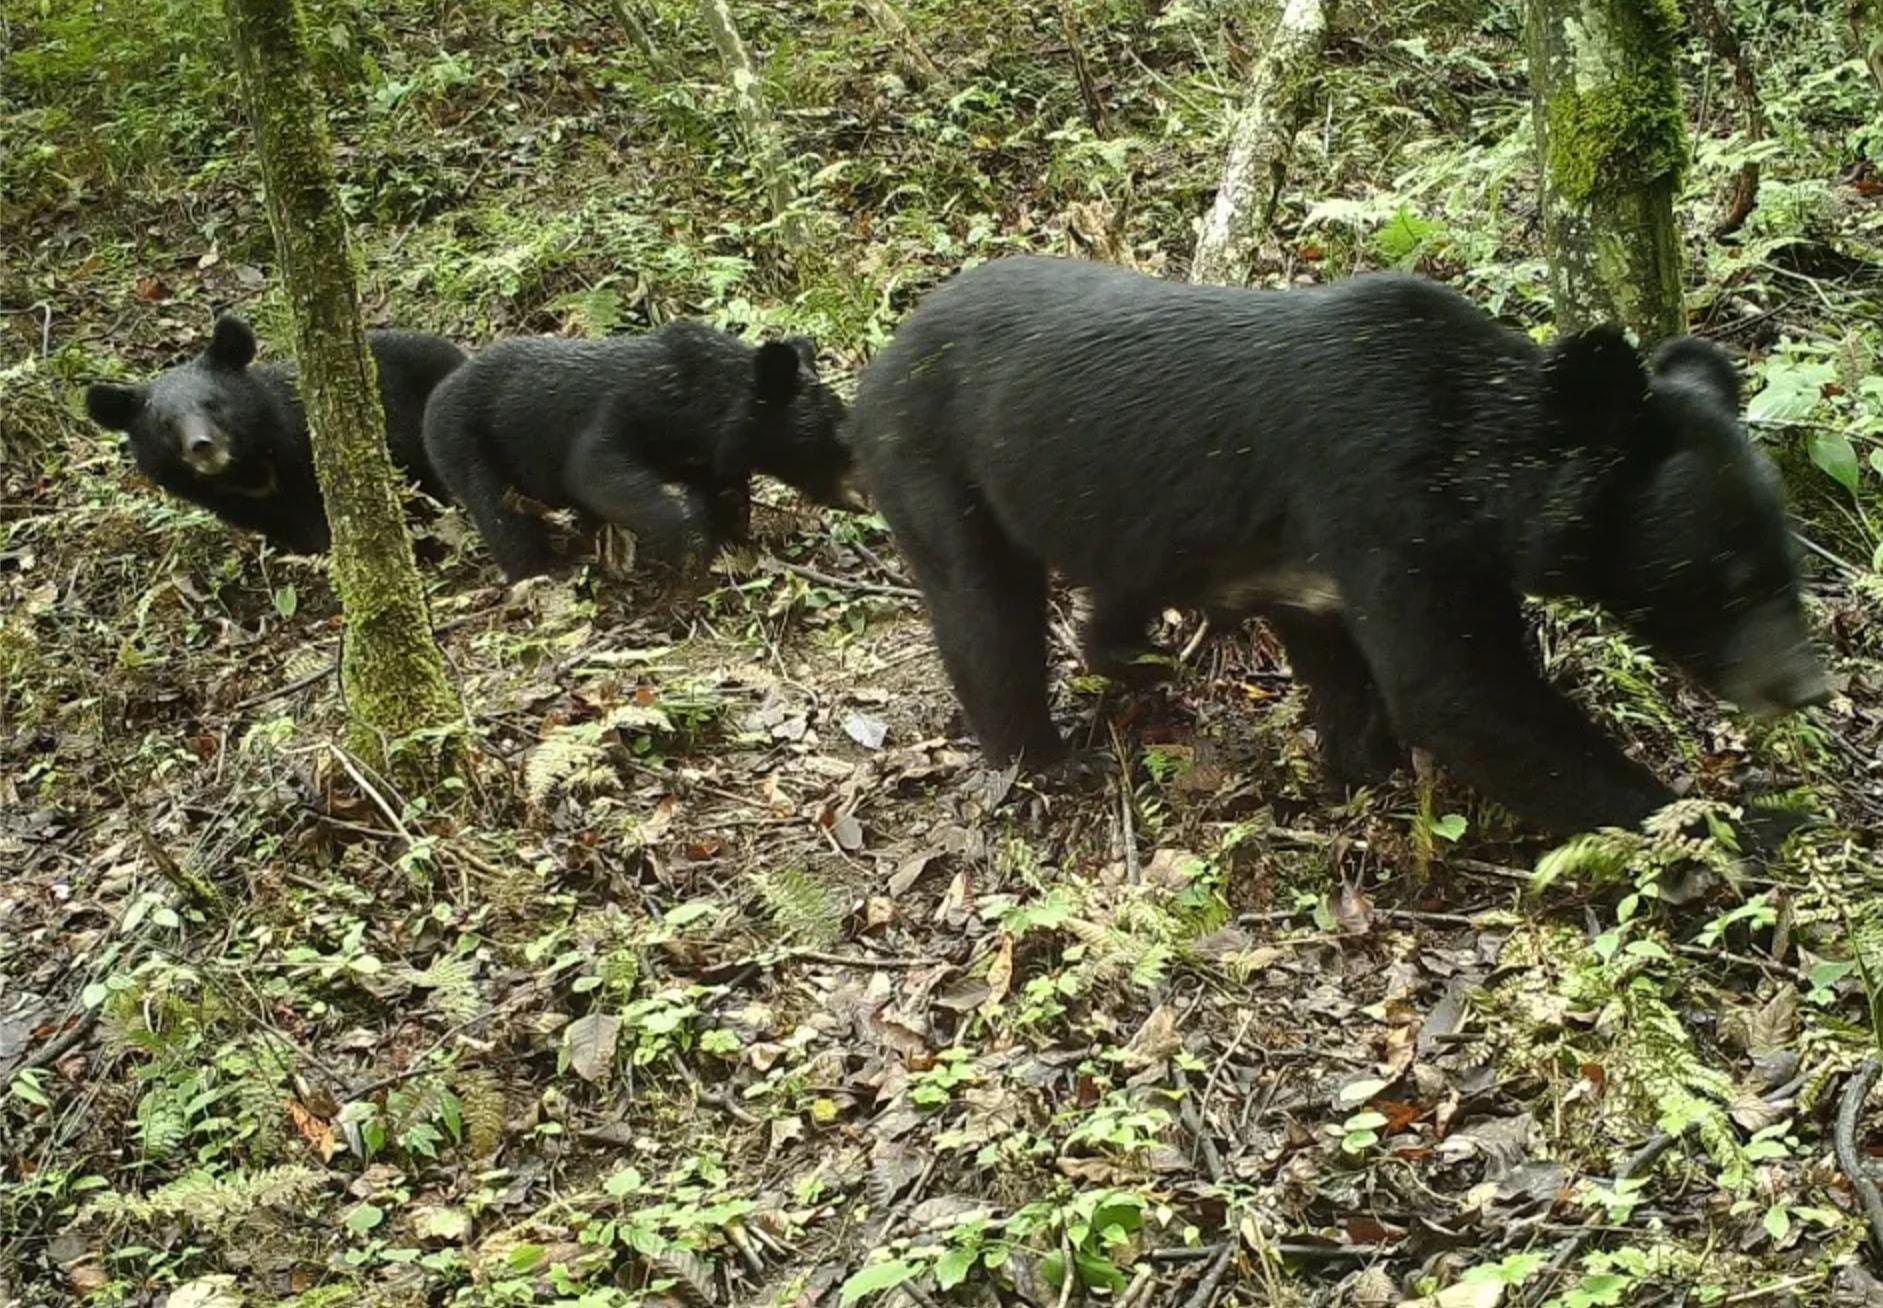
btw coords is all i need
(763, 140)
(1611, 144)
(1280, 93)
(391, 671)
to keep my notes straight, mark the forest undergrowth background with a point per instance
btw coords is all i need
(732, 976)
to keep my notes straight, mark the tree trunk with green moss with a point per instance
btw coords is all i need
(391, 671)
(1611, 144)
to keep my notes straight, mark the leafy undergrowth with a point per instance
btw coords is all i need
(731, 975)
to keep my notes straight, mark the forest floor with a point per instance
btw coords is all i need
(732, 975)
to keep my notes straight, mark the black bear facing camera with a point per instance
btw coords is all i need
(1376, 467)
(659, 434)
(233, 438)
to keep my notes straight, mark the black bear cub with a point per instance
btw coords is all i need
(233, 439)
(659, 434)
(1376, 467)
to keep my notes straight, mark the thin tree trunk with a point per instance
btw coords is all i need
(763, 140)
(637, 22)
(891, 23)
(1866, 30)
(1280, 94)
(391, 671)
(1095, 112)
(1611, 144)
(1717, 26)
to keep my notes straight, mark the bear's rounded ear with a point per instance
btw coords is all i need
(776, 371)
(1595, 382)
(1702, 363)
(233, 345)
(114, 407)
(806, 350)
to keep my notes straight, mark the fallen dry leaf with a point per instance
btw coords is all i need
(589, 1042)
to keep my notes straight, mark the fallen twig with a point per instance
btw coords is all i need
(1127, 823)
(859, 960)
(55, 1049)
(1844, 1141)
(843, 583)
(1212, 1279)
(1188, 1110)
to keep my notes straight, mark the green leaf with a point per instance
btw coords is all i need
(1122, 1211)
(1449, 827)
(690, 912)
(625, 1182)
(1602, 1288)
(1792, 389)
(1358, 1142)
(1777, 1221)
(287, 601)
(1358, 1092)
(1324, 918)
(1876, 461)
(526, 1257)
(27, 1090)
(952, 1268)
(364, 1218)
(1828, 973)
(1100, 1272)
(1832, 452)
(1403, 234)
(876, 1278)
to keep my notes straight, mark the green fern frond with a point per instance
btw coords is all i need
(483, 1105)
(1864, 920)
(163, 1117)
(1151, 970)
(637, 718)
(1695, 831)
(1659, 1056)
(805, 910)
(211, 1201)
(569, 758)
(451, 981)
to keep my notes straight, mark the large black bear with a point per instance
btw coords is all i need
(233, 438)
(659, 433)
(1376, 467)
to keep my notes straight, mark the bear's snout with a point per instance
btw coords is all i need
(203, 446)
(1773, 670)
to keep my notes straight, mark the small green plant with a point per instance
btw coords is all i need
(953, 1067)
(1360, 1132)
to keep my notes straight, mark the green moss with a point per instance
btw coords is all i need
(1616, 120)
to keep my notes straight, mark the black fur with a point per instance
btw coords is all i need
(659, 433)
(233, 438)
(1376, 466)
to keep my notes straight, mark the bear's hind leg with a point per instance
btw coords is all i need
(1113, 644)
(1358, 747)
